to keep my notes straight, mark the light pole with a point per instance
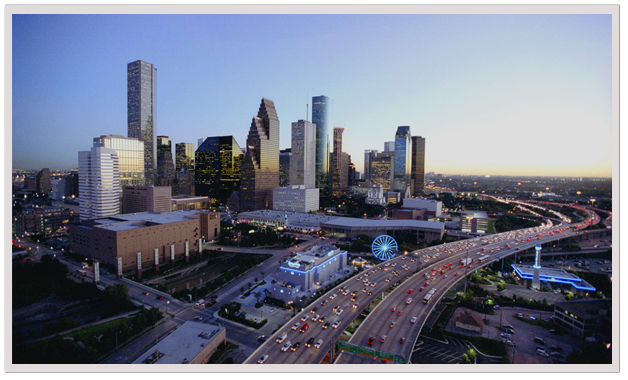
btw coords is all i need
(167, 303)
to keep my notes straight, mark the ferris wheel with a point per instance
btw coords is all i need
(384, 247)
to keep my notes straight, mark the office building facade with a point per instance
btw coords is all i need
(260, 167)
(303, 160)
(295, 198)
(320, 118)
(389, 146)
(184, 157)
(218, 168)
(382, 170)
(130, 153)
(418, 165)
(368, 155)
(43, 181)
(141, 112)
(336, 161)
(165, 165)
(99, 183)
(403, 152)
(284, 167)
(146, 198)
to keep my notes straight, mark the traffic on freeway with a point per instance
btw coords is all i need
(394, 331)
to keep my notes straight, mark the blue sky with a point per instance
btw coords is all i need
(492, 94)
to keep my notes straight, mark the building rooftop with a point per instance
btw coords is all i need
(354, 222)
(185, 343)
(475, 214)
(583, 308)
(124, 222)
(553, 275)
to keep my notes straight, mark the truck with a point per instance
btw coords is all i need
(483, 258)
(466, 262)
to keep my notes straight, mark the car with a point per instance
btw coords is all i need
(364, 290)
(286, 346)
(354, 293)
(295, 346)
(355, 305)
(353, 299)
(309, 342)
(322, 319)
(313, 311)
(263, 338)
(557, 355)
(318, 344)
(370, 341)
(333, 296)
(393, 309)
(496, 307)
(369, 293)
(324, 302)
(420, 289)
(147, 293)
(336, 308)
(392, 324)
(336, 324)
(388, 279)
(326, 325)
(520, 315)
(409, 301)
(413, 320)
(198, 318)
(402, 340)
(444, 276)
(162, 297)
(296, 326)
(262, 359)
(542, 352)
(339, 312)
(382, 339)
(304, 318)
(315, 318)
(410, 291)
(399, 312)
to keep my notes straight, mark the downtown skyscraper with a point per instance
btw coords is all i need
(418, 165)
(320, 117)
(165, 165)
(403, 152)
(260, 168)
(303, 160)
(218, 168)
(184, 157)
(141, 98)
(99, 183)
(338, 183)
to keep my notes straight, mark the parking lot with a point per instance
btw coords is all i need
(449, 351)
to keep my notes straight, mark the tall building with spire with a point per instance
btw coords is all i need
(320, 117)
(402, 166)
(418, 165)
(260, 168)
(141, 112)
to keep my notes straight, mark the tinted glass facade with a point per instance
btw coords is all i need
(141, 86)
(418, 165)
(285, 157)
(403, 146)
(368, 155)
(218, 168)
(130, 153)
(184, 157)
(382, 170)
(260, 168)
(165, 166)
(320, 117)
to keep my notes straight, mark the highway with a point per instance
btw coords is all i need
(379, 320)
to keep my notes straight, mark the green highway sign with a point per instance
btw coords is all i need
(366, 351)
(370, 353)
(348, 347)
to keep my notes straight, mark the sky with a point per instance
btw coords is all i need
(491, 94)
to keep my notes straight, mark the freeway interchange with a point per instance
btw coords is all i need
(422, 271)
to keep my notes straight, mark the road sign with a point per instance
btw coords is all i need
(348, 347)
(370, 353)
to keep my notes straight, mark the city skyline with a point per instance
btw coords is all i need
(487, 92)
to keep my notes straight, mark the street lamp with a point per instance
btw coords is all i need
(167, 303)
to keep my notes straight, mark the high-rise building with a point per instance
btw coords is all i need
(389, 146)
(344, 172)
(336, 160)
(218, 168)
(71, 184)
(403, 152)
(165, 166)
(284, 167)
(320, 117)
(260, 168)
(130, 152)
(200, 142)
(351, 173)
(146, 198)
(382, 170)
(418, 165)
(43, 181)
(303, 161)
(141, 112)
(99, 183)
(368, 154)
(184, 157)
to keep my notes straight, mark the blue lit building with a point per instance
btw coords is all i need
(403, 160)
(308, 269)
(553, 277)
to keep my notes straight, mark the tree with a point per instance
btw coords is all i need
(118, 297)
(258, 295)
(465, 359)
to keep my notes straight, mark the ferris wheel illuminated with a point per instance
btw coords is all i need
(384, 247)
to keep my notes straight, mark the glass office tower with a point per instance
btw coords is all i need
(368, 155)
(403, 152)
(418, 165)
(260, 168)
(165, 165)
(320, 117)
(218, 168)
(130, 152)
(184, 157)
(141, 85)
